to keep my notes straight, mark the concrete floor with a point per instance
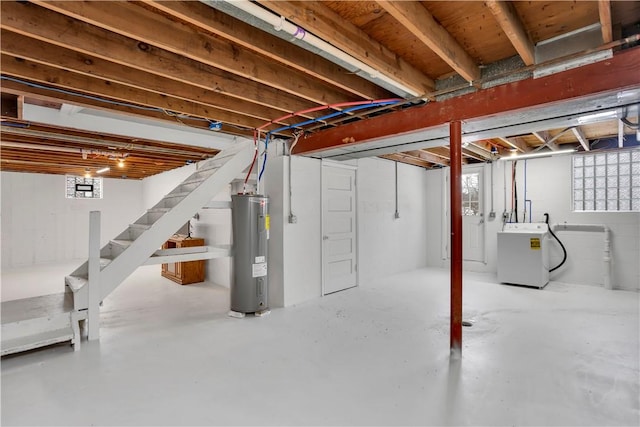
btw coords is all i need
(374, 355)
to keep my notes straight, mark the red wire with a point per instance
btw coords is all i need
(255, 156)
(324, 107)
(308, 110)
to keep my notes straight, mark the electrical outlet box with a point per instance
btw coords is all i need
(396, 215)
(293, 219)
(492, 215)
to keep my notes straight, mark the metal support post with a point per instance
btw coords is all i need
(94, 275)
(455, 149)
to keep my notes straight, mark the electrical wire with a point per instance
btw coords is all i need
(173, 114)
(564, 250)
(353, 106)
(253, 162)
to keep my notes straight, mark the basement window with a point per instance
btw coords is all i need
(471, 194)
(607, 182)
(78, 187)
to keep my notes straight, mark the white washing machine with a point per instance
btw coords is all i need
(523, 254)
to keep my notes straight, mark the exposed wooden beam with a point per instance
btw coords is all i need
(36, 22)
(331, 27)
(543, 136)
(249, 37)
(478, 152)
(425, 155)
(604, 10)
(516, 143)
(136, 22)
(616, 73)
(47, 54)
(507, 17)
(419, 21)
(577, 131)
(403, 158)
(24, 69)
(442, 152)
(47, 96)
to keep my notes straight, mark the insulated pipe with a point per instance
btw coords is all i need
(606, 258)
(455, 149)
(281, 24)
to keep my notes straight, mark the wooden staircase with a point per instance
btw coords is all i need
(55, 319)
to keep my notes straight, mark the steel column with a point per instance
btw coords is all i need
(455, 148)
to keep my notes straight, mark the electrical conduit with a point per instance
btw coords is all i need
(281, 24)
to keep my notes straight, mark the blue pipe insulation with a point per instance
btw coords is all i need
(316, 120)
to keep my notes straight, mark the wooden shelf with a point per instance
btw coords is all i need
(184, 273)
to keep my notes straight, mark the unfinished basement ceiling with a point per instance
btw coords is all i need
(206, 64)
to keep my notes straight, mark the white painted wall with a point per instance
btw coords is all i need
(549, 188)
(294, 249)
(386, 245)
(40, 225)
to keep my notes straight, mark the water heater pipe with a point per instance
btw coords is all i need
(281, 24)
(606, 258)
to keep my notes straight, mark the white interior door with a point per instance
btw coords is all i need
(339, 252)
(473, 214)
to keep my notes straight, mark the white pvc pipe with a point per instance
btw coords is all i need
(606, 258)
(281, 24)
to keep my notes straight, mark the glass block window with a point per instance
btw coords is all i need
(607, 181)
(471, 194)
(79, 187)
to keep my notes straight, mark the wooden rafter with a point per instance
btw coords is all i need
(404, 158)
(417, 19)
(38, 95)
(543, 137)
(54, 28)
(604, 10)
(47, 54)
(59, 78)
(579, 133)
(425, 155)
(613, 74)
(246, 36)
(329, 26)
(507, 17)
(516, 143)
(39, 148)
(141, 24)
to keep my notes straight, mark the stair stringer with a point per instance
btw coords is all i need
(150, 240)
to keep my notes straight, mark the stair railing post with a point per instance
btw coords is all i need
(94, 275)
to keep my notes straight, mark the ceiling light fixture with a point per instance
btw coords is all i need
(598, 117)
(87, 173)
(538, 154)
(121, 163)
(103, 170)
